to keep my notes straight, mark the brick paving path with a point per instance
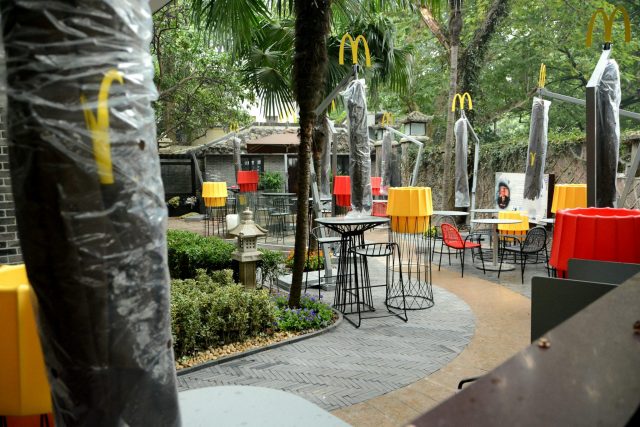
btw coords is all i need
(348, 365)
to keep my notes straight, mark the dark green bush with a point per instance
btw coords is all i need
(211, 310)
(190, 251)
(312, 314)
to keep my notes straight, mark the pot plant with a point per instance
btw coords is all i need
(181, 205)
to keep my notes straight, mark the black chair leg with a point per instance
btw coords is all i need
(462, 261)
(440, 261)
(500, 268)
(523, 264)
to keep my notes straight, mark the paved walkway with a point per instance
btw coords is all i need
(348, 365)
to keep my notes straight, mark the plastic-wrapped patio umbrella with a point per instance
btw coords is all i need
(359, 151)
(462, 177)
(325, 160)
(236, 156)
(387, 161)
(90, 206)
(537, 153)
(608, 126)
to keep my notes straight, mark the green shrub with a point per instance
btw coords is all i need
(270, 265)
(312, 314)
(189, 251)
(211, 311)
(271, 181)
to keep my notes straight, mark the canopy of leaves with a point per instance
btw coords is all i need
(200, 85)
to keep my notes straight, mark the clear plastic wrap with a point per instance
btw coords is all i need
(537, 153)
(462, 177)
(608, 136)
(359, 150)
(386, 163)
(325, 160)
(90, 206)
(237, 163)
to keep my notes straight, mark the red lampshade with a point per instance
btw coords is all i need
(603, 234)
(342, 190)
(376, 181)
(248, 181)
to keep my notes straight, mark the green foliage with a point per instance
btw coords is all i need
(199, 85)
(189, 252)
(211, 311)
(314, 262)
(312, 314)
(270, 265)
(272, 181)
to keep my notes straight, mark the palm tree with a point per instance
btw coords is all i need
(235, 23)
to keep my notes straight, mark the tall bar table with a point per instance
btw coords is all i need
(351, 232)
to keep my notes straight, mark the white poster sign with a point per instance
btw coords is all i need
(509, 191)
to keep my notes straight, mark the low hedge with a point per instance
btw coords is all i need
(188, 252)
(211, 310)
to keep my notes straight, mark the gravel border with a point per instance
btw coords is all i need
(291, 340)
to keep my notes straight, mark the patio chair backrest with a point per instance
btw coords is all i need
(450, 235)
(279, 205)
(536, 240)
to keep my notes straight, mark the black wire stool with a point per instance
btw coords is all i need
(360, 290)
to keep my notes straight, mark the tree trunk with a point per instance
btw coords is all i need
(313, 21)
(455, 29)
(90, 210)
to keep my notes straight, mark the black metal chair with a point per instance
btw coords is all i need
(277, 220)
(534, 243)
(325, 240)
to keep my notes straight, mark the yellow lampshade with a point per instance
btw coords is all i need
(214, 190)
(568, 196)
(24, 389)
(215, 202)
(519, 228)
(409, 208)
(409, 201)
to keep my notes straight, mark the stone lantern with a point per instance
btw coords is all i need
(247, 253)
(416, 124)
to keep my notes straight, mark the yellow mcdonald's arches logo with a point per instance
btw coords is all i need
(533, 158)
(608, 24)
(99, 126)
(354, 49)
(387, 119)
(233, 127)
(542, 77)
(460, 99)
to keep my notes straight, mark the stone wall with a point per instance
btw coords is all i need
(10, 252)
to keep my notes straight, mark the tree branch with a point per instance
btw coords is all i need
(434, 26)
(473, 56)
(574, 65)
(167, 92)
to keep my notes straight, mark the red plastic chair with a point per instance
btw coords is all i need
(451, 237)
